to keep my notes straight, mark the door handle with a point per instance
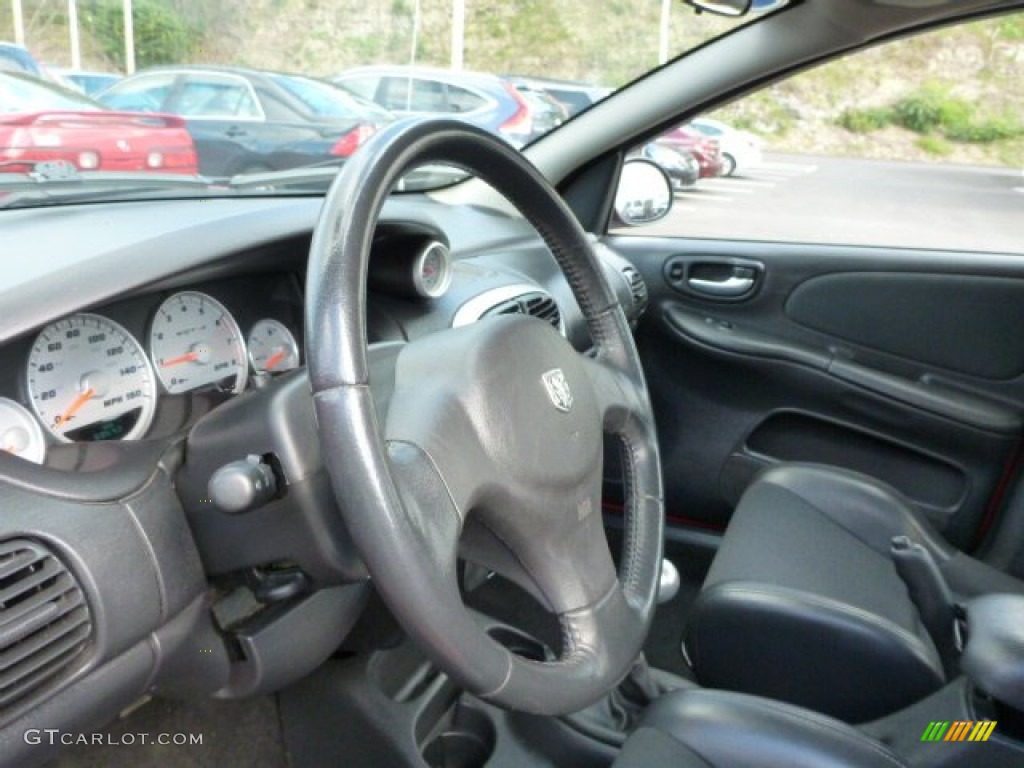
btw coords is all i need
(234, 132)
(733, 285)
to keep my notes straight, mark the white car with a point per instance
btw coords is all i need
(741, 150)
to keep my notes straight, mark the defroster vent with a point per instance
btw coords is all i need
(44, 620)
(536, 304)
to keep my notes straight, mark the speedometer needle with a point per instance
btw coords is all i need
(191, 357)
(75, 406)
(275, 358)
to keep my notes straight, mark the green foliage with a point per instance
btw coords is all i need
(985, 131)
(865, 120)
(934, 145)
(930, 108)
(1011, 27)
(934, 113)
(162, 35)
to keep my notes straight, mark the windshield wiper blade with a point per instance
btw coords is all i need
(425, 177)
(50, 182)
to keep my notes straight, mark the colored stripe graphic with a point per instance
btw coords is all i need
(935, 731)
(982, 731)
(959, 730)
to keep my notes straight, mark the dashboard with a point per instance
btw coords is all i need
(147, 364)
(147, 346)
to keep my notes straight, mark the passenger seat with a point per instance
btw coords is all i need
(805, 601)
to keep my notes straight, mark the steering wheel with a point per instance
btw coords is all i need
(495, 426)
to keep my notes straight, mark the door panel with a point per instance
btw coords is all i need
(897, 363)
(923, 317)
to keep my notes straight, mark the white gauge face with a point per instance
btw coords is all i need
(433, 271)
(195, 344)
(20, 434)
(272, 348)
(89, 379)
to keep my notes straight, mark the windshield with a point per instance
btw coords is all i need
(302, 84)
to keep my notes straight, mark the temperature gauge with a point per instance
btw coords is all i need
(272, 347)
(20, 434)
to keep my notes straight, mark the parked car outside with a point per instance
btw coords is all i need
(681, 166)
(90, 83)
(40, 121)
(574, 96)
(17, 58)
(707, 151)
(485, 100)
(741, 150)
(248, 121)
(547, 112)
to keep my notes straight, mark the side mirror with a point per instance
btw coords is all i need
(644, 194)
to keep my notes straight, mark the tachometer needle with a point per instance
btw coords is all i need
(75, 406)
(274, 359)
(191, 357)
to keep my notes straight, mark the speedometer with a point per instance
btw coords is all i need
(88, 379)
(195, 343)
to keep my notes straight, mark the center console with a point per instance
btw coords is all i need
(948, 727)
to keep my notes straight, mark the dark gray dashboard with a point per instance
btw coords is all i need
(153, 562)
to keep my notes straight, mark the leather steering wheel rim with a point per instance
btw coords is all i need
(406, 493)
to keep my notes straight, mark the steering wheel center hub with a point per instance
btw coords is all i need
(512, 394)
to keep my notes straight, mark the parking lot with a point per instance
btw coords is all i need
(805, 198)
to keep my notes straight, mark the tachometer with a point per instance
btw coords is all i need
(272, 348)
(88, 379)
(195, 343)
(20, 434)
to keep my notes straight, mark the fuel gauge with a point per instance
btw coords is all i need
(20, 433)
(272, 348)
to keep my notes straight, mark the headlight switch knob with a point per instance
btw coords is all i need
(242, 486)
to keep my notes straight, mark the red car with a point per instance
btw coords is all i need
(40, 121)
(707, 151)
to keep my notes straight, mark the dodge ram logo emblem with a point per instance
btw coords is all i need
(558, 389)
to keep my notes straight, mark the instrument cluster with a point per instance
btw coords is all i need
(86, 377)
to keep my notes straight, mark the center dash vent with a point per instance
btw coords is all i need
(638, 289)
(44, 620)
(536, 304)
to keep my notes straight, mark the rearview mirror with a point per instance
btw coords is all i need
(732, 8)
(644, 194)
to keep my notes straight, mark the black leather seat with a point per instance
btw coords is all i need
(717, 729)
(804, 604)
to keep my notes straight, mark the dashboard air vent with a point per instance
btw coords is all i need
(637, 287)
(536, 304)
(44, 619)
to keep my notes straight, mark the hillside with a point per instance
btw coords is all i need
(856, 106)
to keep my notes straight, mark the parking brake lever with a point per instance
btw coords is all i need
(932, 597)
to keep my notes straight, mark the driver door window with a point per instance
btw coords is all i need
(917, 143)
